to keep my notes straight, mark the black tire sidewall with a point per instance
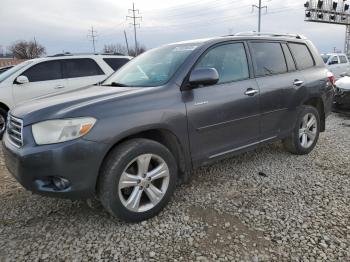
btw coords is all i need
(115, 165)
(3, 113)
(303, 111)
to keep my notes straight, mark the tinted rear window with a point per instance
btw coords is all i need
(268, 58)
(116, 63)
(81, 67)
(44, 71)
(301, 55)
(343, 59)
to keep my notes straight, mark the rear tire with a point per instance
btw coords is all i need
(137, 180)
(305, 133)
(3, 121)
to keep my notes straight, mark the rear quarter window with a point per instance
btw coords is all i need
(116, 63)
(301, 55)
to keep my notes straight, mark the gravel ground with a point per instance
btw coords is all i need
(265, 205)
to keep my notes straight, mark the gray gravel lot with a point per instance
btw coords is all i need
(297, 209)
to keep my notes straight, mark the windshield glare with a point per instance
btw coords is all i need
(153, 68)
(13, 70)
(325, 58)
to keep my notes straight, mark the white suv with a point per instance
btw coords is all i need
(44, 76)
(337, 63)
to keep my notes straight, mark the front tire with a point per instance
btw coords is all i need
(305, 133)
(3, 121)
(137, 180)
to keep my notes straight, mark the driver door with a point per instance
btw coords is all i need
(223, 118)
(44, 78)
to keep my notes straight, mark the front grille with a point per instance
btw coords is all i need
(14, 130)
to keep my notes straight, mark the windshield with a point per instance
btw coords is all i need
(153, 68)
(13, 70)
(325, 58)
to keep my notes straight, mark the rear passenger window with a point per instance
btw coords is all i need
(44, 71)
(116, 63)
(343, 59)
(229, 60)
(301, 55)
(289, 58)
(268, 58)
(81, 67)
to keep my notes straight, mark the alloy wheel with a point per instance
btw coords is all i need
(308, 130)
(2, 124)
(143, 183)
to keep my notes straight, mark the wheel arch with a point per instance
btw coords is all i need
(161, 135)
(317, 103)
(4, 106)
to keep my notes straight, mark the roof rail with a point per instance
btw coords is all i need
(76, 54)
(253, 33)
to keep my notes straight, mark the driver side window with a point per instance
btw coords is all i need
(229, 60)
(334, 60)
(44, 71)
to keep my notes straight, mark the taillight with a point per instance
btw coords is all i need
(331, 78)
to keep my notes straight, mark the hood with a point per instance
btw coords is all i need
(343, 83)
(61, 105)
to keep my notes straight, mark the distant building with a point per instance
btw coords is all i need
(9, 61)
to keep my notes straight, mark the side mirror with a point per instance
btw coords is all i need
(333, 62)
(204, 76)
(22, 80)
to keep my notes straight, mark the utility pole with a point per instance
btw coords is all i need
(259, 8)
(93, 37)
(36, 47)
(126, 41)
(134, 22)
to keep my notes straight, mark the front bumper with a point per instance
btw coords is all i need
(78, 161)
(342, 98)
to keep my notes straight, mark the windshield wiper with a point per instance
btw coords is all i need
(116, 84)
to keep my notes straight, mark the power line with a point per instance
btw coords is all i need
(93, 37)
(259, 8)
(222, 19)
(134, 22)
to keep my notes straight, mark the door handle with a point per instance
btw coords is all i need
(298, 82)
(251, 92)
(59, 87)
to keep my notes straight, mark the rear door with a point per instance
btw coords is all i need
(44, 78)
(222, 118)
(277, 79)
(81, 72)
(344, 65)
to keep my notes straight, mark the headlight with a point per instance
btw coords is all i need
(61, 130)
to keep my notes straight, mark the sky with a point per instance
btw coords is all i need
(63, 25)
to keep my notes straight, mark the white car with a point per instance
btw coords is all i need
(337, 63)
(44, 76)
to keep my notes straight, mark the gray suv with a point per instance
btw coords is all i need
(172, 109)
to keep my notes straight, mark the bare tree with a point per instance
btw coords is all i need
(140, 50)
(121, 49)
(26, 49)
(115, 49)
